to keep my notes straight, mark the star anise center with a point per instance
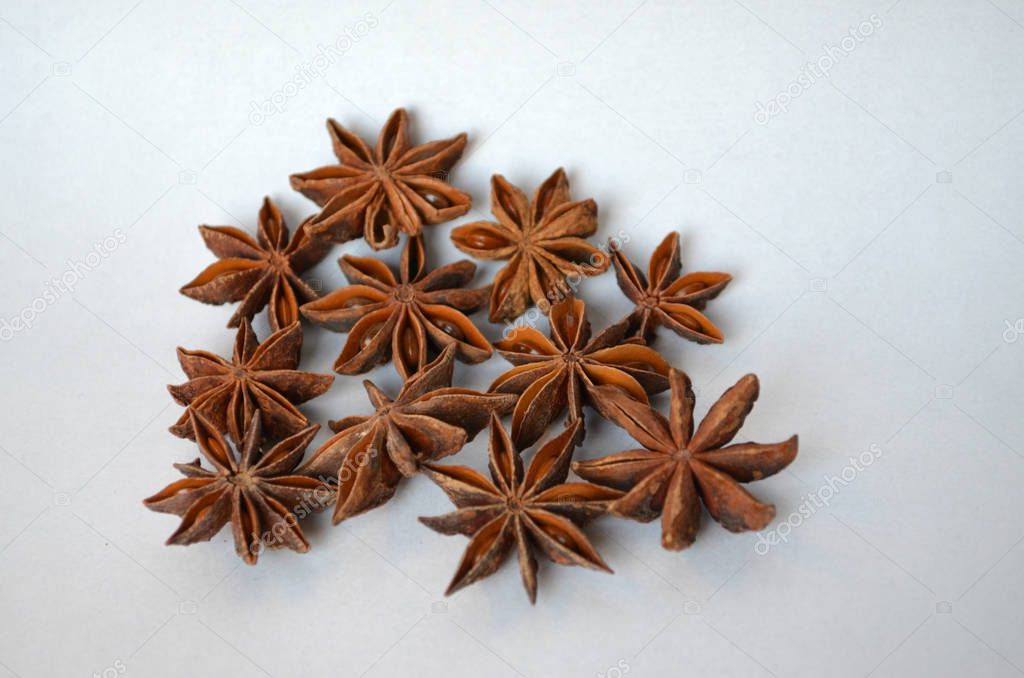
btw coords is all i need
(277, 261)
(242, 480)
(650, 300)
(405, 293)
(513, 504)
(682, 455)
(572, 357)
(238, 372)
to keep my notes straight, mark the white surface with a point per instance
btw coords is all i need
(871, 296)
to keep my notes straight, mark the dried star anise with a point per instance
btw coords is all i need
(559, 373)
(258, 493)
(259, 378)
(666, 298)
(543, 240)
(679, 469)
(258, 272)
(535, 511)
(376, 194)
(407, 320)
(429, 420)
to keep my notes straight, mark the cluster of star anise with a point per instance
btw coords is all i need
(243, 413)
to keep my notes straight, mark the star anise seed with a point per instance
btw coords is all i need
(430, 419)
(535, 511)
(666, 298)
(558, 374)
(406, 320)
(259, 272)
(258, 493)
(678, 469)
(376, 194)
(259, 378)
(543, 241)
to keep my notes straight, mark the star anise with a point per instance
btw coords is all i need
(534, 511)
(258, 493)
(666, 298)
(376, 194)
(407, 320)
(679, 469)
(430, 419)
(543, 240)
(560, 373)
(261, 271)
(259, 378)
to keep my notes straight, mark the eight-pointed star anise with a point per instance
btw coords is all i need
(533, 511)
(258, 271)
(407, 320)
(376, 194)
(679, 468)
(430, 419)
(543, 240)
(559, 373)
(258, 493)
(259, 378)
(666, 298)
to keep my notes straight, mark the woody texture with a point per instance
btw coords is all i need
(377, 193)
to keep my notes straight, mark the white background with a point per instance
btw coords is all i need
(873, 230)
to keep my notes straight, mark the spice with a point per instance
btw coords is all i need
(680, 468)
(666, 298)
(258, 272)
(429, 420)
(376, 194)
(558, 374)
(407, 320)
(542, 239)
(257, 493)
(535, 511)
(259, 378)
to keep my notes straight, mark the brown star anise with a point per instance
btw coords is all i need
(543, 240)
(679, 468)
(376, 194)
(535, 511)
(258, 272)
(666, 298)
(560, 373)
(259, 378)
(429, 420)
(257, 493)
(407, 320)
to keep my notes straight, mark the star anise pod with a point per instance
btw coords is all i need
(376, 194)
(258, 493)
(534, 511)
(259, 378)
(430, 419)
(560, 373)
(679, 469)
(666, 298)
(408, 319)
(543, 240)
(261, 271)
